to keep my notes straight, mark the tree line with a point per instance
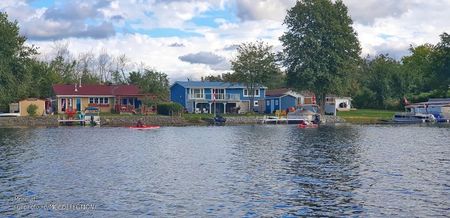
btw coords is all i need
(321, 53)
(24, 73)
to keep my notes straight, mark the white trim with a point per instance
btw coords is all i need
(244, 95)
(192, 94)
(279, 104)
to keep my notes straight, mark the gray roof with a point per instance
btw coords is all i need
(201, 84)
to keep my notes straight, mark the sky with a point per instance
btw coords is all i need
(194, 38)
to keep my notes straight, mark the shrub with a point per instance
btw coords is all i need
(170, 108)
(31, 109)
(393, 104)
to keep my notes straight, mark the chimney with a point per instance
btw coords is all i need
(76, 90)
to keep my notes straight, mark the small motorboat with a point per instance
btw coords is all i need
(144, 127)
(219, 119)
(413, 118)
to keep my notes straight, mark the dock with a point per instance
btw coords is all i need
(280, 120)
(71, 122)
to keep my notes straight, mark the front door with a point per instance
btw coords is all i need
(78, 104)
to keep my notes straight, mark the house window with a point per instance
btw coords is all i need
(276, 102)
(219, 93)
(101, 100)
(268, 103)
(246, 93)
(197, 93)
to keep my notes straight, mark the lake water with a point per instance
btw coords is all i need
(240, 171)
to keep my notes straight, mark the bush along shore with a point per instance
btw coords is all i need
(131, 120)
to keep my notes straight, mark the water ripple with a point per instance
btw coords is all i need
(243, 171)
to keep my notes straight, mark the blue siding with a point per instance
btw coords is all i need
(262, 93)
(178, 94)
(179, 90)
(273, 103)
(287, 102)
(235, 91)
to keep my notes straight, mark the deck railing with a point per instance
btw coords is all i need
(218, 97)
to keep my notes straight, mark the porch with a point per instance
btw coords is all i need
(133, 105)
(215, 107)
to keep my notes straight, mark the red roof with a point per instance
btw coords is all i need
(114, 90)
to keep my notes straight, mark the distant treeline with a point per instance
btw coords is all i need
(24, 73)
(372, 82)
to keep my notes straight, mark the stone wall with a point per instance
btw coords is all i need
(28, 121)
(243, 120)
(112, 120)
(147, 120)
(333, 119)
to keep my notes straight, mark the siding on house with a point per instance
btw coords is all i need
(287, 102)
(178, 94)
(24, 104)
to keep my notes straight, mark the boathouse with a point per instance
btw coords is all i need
(25, 103)
(282, 99)
(336, 103)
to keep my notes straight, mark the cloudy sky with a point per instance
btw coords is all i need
(193, 38)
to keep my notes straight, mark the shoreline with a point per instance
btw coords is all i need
(125, 121)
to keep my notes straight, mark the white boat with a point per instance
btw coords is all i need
(413, 118)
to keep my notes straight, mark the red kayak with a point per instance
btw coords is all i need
(303, 126)
(144, 127)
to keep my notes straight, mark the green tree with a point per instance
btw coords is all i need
(321, 49)
(418, 68)
(151, 81)
(381, 72)
(441, 65)
(224, 77)
(255, 65)
(15, 60)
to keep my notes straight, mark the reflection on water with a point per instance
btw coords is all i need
(226, 171)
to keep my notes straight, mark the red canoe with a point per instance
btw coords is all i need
(144, 127)
(307, 126)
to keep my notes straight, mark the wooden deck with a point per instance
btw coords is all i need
(71, 122)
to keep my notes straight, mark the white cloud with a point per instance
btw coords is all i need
(263, 9)
(382, 26)
(423, 22)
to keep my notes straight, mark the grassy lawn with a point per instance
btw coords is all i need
(366, 115)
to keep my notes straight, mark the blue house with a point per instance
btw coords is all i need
(282, 99)
(210, 97)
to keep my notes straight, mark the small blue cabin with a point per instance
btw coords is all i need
(282, 99)
(215, 97)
